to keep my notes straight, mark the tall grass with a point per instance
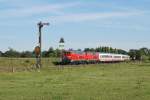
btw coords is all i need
(22, 64)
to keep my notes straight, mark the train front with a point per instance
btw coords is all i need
(66, 57)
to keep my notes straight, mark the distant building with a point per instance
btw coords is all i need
(61, 44)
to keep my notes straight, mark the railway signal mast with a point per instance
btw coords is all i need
(39, 47)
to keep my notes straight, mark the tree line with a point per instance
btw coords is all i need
(135, 54)
(30, 54)
(140, 54)
(105, 49)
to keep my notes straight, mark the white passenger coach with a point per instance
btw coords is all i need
(109, 57)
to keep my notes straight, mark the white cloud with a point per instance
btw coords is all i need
(92, 16)
(38, 9)
(58, 12)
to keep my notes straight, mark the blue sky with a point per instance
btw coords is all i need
(121, 24)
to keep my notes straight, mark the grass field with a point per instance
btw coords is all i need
(121, 81)
(23, 64)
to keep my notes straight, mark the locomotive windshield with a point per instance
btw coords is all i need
(67, 52)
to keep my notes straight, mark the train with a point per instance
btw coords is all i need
(80, 57)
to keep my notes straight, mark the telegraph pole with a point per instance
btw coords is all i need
(39, 47)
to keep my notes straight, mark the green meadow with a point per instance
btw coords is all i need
(119, 81)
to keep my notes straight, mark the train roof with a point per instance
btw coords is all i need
(101, 53)
(112, 54)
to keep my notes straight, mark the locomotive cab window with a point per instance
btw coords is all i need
(67, 53)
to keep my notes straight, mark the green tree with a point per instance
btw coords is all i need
(26, 54)
(138, 55)
(111, 50)
(45, 54)
(86, 49)
(11, 53)
(57, 53)
(144, 51)
(1, 53)
(51, 52)
(132, 54)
